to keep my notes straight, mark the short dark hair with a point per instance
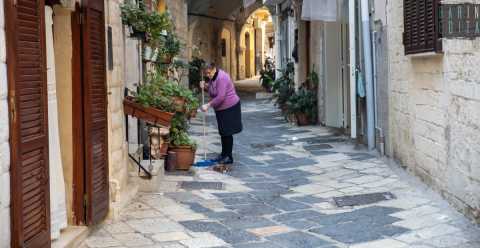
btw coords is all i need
(210, 66)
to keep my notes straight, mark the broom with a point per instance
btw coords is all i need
(204, 162)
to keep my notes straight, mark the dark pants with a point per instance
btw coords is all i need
(227, 146)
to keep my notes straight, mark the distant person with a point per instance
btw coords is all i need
(226, 103)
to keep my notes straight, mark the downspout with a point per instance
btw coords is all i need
(353, 69)
(381, 139)
(278, 54)
(367, 50)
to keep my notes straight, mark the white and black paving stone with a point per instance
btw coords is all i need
(290, 187)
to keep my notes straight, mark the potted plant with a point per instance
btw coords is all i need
(267, 75)
(143, 24)
(181, 143)
(170, 47)
(284, 87)
(194, 73)
(150, 104)
(303, 103)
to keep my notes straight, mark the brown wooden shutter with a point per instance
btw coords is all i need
(29, 123)
(95, 111)
(421, 26)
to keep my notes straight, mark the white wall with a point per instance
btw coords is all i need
(4, 145)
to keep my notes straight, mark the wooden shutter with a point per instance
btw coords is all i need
(421, 26)
(95, 111)
(29, 122)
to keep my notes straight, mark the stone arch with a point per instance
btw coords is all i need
(251, 52)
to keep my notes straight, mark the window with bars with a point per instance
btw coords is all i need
(421, 26)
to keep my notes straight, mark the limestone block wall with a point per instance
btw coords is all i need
(118, 149)
(434, 114)
(4, 144)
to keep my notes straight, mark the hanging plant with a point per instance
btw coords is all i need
(143, 24)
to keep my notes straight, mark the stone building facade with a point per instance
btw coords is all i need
(434, 113)
(4, 145)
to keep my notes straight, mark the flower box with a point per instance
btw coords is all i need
(148, 114)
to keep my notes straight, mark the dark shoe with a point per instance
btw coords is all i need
(218, 158)
(226, 160)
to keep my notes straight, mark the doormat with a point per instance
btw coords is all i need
(318, 147)
(262, 145)
(201, 185)
(363, 199)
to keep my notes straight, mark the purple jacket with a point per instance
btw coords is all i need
(222, 91)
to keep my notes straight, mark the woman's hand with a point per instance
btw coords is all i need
(205, 107)
(203, 85)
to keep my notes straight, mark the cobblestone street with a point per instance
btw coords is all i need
(290, 187)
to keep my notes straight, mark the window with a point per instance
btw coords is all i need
(421, 26)
(224, 48)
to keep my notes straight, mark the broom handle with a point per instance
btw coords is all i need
(204, 123)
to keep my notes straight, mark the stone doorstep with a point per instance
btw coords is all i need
(119, 202)
(135, 149)
(72, 237)
(148, 185)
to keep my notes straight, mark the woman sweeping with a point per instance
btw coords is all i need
(227, 106)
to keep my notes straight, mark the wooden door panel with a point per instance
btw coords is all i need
(29, 123)
(95, 112)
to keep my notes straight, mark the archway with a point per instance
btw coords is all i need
(258, 44)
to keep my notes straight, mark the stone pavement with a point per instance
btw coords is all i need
(290, 187)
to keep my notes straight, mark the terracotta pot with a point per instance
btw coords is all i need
(148, 114)
(185, 156)
(179, 104)
(302, 119)
(193, 113)
(167, 59)
(164, 147)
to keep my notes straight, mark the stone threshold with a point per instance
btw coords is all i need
(72, 237)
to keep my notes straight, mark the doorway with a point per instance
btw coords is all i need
(90, 138)
(336, 74)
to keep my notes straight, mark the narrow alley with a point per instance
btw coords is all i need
(239, 123)
(288, 190)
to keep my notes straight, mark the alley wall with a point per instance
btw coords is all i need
(4, 144)
(118, 147)
(434, 118)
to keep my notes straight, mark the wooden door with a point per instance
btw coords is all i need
(95, 111)
(29, 122)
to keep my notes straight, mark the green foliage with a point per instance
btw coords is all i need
(155, 25)
(151, 95)
(195, 73)
(303, 101)
(178, 131)
(170, 46)
(267, 78)
(181, 138)
(284, 87)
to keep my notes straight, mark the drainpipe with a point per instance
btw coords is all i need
(367, 50)
(353, 69)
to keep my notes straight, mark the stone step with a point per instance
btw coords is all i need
(145, 184)
(71, 237)
(135, 150)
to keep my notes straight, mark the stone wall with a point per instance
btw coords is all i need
(118, 150)
(434, 111)
(4, 145)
